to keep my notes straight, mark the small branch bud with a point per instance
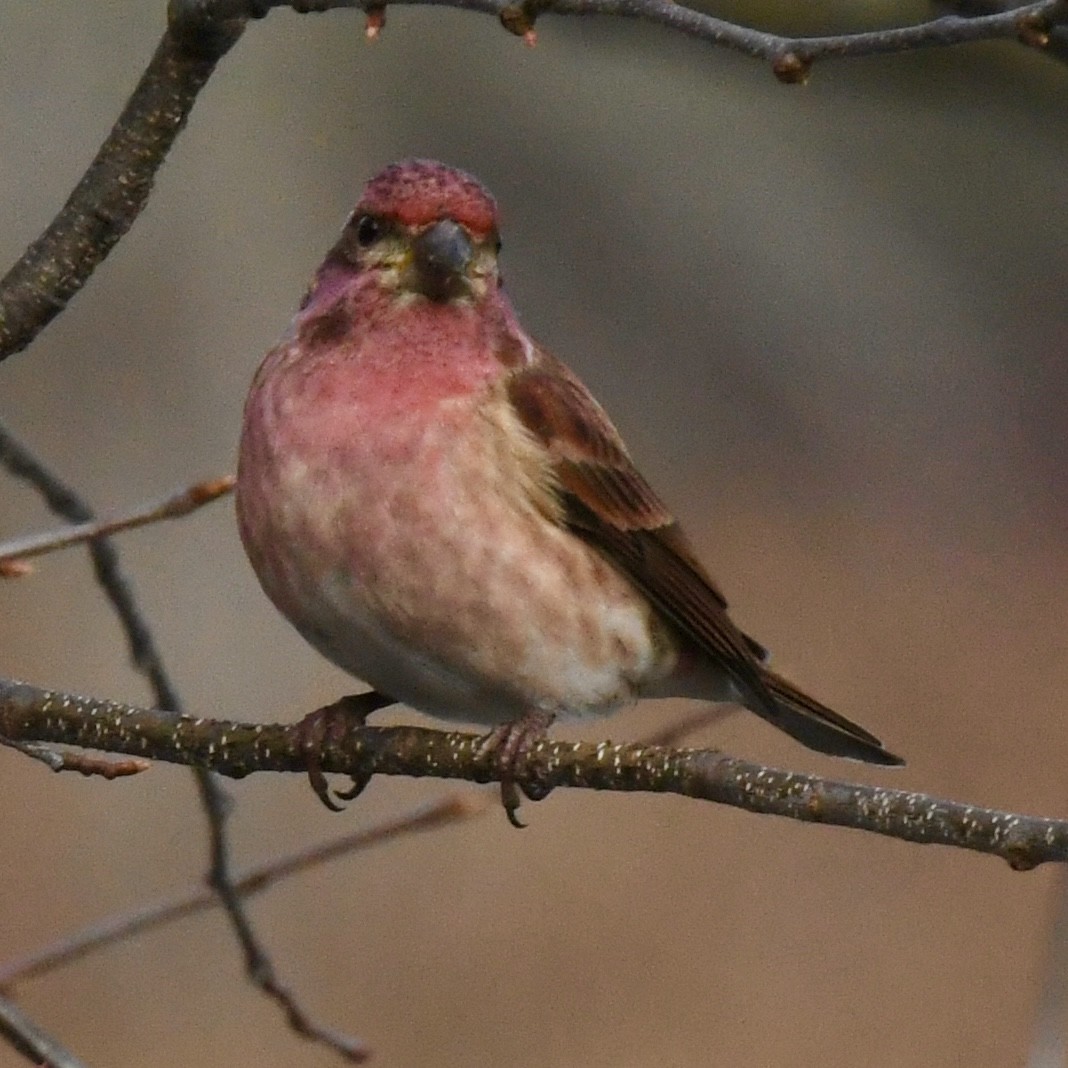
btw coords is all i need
(376, 21)
(88, 764)
(15, 568)
(519, 19)
(514, 20)
(791, 69)
(1033, 31)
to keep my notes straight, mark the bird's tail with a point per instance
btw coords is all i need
(821, 728)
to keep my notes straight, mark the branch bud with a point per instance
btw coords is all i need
(791, 69)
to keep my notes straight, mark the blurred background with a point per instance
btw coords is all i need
(831, 323)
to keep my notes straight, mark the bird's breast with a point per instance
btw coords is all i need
(419, 547)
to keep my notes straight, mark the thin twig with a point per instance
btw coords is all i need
(25, 1036)
(452, 809)
(85, 763)
(112, 192)
(29, 713)
(519, 17)
(258, 965)
(18, 550)
(1053, 41)
(63, 500)
(115, 188)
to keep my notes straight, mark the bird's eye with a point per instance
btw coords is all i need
(497, 245)
(368, 230)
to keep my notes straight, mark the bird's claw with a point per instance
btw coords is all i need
(329, 725)
(359, 784)
(510, 744)
(511, 799)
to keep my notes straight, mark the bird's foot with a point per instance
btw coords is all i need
(510, 744)
(330, 724)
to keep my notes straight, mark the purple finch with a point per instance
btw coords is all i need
(441, 508)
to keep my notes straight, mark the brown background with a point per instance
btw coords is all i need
(830, 321)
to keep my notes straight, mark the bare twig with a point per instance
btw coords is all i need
(450, 809)
(196, 899)
(258, 964)
(116, 186)
(239, 749)
(63, 500)
(66, 502)
(781, 52)
(25, 1036)
(51, 758)
(85, 763)
(18, 550)
(1052, 39)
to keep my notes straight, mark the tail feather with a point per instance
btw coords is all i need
(821, 728)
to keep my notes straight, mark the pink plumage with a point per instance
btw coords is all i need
(441, 508)
(420, 191)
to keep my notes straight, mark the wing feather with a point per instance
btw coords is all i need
(610, 504)
(607, 502)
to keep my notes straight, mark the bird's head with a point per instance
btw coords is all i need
(423, 230)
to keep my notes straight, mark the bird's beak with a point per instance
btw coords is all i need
(440, 258)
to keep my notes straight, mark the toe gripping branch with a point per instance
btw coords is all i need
(329, 725)
(508, 746)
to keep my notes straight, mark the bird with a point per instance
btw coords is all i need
(441, 507)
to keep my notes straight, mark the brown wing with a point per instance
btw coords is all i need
(609, 503)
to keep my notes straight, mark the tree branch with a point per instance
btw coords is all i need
(790, 57)
(452, 808)
(37, 1047)
(65, 501)
(14, 553)
(28, 713)
(115, 188)
(85, 763)
(446, 810)
(253, 881)
(1053, 40)
(117, 184)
